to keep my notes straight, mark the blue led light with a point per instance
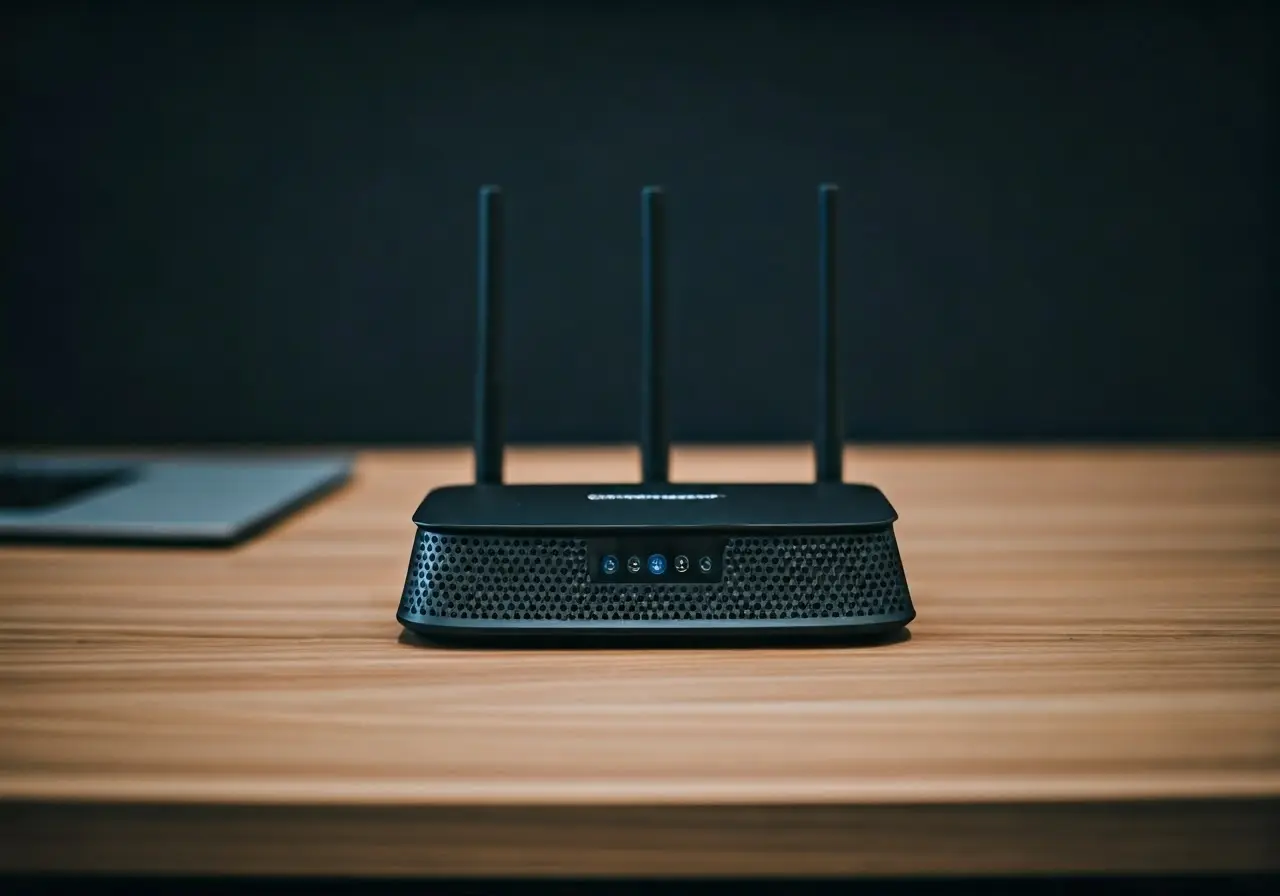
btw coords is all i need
(657, 564)
(609, 564)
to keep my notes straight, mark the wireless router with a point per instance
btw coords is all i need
(656, 558)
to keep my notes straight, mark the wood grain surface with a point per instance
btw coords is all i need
(1093, 683)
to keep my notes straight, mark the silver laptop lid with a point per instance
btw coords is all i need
(214, 501)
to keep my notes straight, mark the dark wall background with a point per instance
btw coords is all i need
(258, 223)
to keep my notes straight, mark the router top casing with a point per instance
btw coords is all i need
(735, 561)
(580, 509)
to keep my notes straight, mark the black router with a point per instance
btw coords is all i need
(655, 558)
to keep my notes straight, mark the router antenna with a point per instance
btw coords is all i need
(489, 330)
(654, 449)
(829, 439)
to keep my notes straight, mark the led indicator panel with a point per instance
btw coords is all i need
(656, 559)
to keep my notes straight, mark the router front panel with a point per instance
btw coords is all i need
(815, 580)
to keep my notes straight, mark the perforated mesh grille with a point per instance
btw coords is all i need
(798, 577)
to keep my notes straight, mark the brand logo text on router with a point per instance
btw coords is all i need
(619, 496)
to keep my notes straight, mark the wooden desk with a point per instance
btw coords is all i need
(1093, 683)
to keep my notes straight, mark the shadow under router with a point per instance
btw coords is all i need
(653, 559)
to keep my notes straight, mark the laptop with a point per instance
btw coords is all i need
(213, 501)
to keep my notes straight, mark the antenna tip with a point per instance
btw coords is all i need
(829, 188)
(490, 190)
(652, 190)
